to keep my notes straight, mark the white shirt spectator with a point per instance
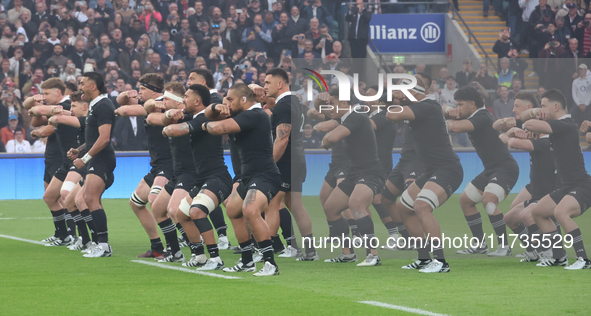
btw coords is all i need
(582, 91)
(447, 97)
(528, 7)
(304, 95)
(39, 146)
(14, 147)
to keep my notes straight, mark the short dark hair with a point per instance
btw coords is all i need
(154, 80)
(203, 93)
(207, 75)
(554, 95)
(71, 86)
(527, 96)
(76, 96)
(97, 79)
(468, 93)
(427, 77)
(279, 72)
(243, 91)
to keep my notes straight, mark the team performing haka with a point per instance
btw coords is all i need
(189, 180)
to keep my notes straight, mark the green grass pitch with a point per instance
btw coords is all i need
(37, 280)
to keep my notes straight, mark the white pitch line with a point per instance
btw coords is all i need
(163, 266)
(22, 239)
(401, 308)
(26, 218)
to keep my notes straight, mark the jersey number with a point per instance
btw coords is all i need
(302, 126)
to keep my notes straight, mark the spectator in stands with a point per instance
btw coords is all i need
(282, 36)
(14, 106)
(503, 106)
(505, 76)
(58, 58)
(148, 15)
(538, 20)
(155, 65)
(447, 93)
(129, 134)
(504, 44)
(466, 75)
(105, 52)
(7, 132)
(18, 145)
(358, 17)
(314, 9)
(551, 67)
(170, 54)
(420, 67)
(483, 78)
(80, 55)
(583, 34)
(516, 86)
(39, 145)
(314, 30)
(323, 44)
(517, 64)
(581, 93)
(540, 92)
(298, 24)
(570, 15)
(563, 31)
(257, 37)
(442, 79)
(70, 72)
(126, 12)
(309, 139)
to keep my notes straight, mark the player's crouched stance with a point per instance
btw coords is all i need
(241, 116)
(443, 175)
(575, 195)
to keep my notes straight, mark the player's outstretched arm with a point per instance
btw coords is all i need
(64, 120)
(44, 131)
(517, 138)
(460, 126)
(224, 127)
(334, 136)
(176, 130)
(155, 119)
(326, 126)
(504, 124)
(128, 98)
(400, 113)
(217, 112)
(131, 110)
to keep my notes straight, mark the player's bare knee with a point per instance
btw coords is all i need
(422, 208)
(251, 212)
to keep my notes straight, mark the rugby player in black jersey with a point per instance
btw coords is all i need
(213, 183)
(288, 153)
(147, 190)
(166, 205)
(53, 158)
(99, 158)
(76, 118)
(204, 77)
(337, 171)
(242, 116)
(542, 175)
(54, 93)
(574, 197)
(500, 173)
(443, 174)
(364, 178)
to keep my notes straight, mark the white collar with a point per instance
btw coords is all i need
(65, 99)
(545, 136)
(202, 111)
(286, 93)
(255, 106)
(565, 116)
(344, 117)
(95, 101)
(482, 108)
(212, 91)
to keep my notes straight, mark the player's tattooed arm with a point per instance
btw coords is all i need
(176, 130)
(227, 126)
(280, 144)
(334, 136)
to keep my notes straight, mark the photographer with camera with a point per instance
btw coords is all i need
(358, 18)
(583, 34)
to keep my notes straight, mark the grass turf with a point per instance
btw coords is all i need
(50, 280)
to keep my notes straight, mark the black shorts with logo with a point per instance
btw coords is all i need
(404, 171)
(582, 193)
(268, 183)
(158, 171)
(185, 181)
(293, 179)
(51, 166)
(102, 168)
(220, 185)
(335, 172)
(506, 177)
(449, 178)
(372, 177)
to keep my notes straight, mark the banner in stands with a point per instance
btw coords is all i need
(408, 33)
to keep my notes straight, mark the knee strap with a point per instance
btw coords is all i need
(135, 199)
(472, 193)
(68, 186)
(185, 207)
(204, 203)
(407, 200)
(428, 196)
(155, 189)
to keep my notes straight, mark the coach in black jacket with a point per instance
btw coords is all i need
(358, 18)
